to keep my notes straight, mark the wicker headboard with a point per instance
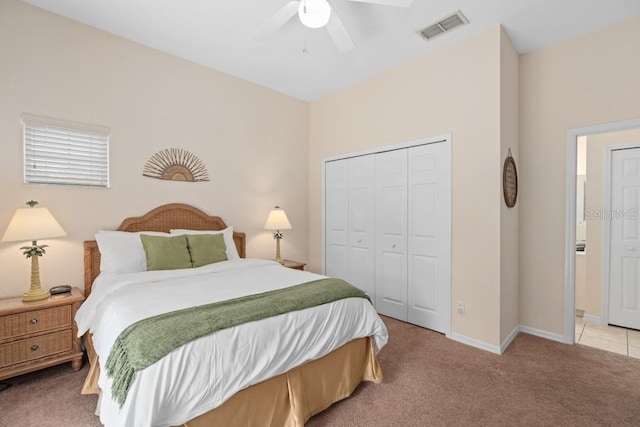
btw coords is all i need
(163, 218)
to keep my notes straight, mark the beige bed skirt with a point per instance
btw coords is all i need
(289, 399)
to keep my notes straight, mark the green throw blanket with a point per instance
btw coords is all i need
(147, 341)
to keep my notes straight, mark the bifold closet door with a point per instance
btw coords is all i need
(362, 257)
(350, 220)
(388, 230)
(337, 219)
(429, 231)
(391, 233)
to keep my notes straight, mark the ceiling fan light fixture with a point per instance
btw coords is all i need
(314, 13)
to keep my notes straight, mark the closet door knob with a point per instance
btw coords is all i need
(393, 246)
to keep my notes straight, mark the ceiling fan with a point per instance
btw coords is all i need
(318, 14)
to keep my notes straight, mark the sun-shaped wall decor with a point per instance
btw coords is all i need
(176, 164)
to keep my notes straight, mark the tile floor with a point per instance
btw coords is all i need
(609, 338)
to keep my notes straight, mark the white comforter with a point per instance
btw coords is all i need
(204, 373)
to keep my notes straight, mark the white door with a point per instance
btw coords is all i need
(362, 256)
(429, 236)
(391, 233)
(337, 219)
(624, 279)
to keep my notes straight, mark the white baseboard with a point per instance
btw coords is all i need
(514, 333)
(475, 343)
(509, 338)
(595, 320)
(542, 334)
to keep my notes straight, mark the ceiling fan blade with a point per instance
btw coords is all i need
(396, 3)
(277, 20)
(339, 34)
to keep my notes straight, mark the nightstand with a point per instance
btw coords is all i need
(38, 334)
(294, 264)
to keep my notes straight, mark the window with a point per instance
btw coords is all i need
(65, 153)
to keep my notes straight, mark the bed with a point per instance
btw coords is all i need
(212, 380)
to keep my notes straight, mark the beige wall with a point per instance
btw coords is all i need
(453, 90)
(596, 146)
(588, 80)
(581, 281)
(581, 176)
(247, 136)
(509, 217)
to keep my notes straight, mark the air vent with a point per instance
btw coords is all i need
(443, 26)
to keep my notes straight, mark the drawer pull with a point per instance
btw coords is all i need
(34, 321)
(34, 347)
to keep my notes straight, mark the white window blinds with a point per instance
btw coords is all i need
(64, 153)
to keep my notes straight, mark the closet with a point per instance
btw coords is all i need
(387, 229)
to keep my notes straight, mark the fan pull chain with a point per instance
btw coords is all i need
(304, 41)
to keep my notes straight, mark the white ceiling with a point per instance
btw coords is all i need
(218, 33)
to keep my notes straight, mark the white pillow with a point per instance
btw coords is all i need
(122, 251)
(227, 234)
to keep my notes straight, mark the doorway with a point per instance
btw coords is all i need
(617, 207)
(587, 270)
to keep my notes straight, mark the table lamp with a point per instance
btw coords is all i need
(33, 224)
(277, 220)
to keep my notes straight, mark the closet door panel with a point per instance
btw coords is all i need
(424, 269)
(429, 236)
(391, 233)
(337, 219)
(362, 223)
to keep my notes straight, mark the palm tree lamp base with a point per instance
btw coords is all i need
(35, 293)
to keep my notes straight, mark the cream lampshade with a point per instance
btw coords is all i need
(277, 220)
(33, 224)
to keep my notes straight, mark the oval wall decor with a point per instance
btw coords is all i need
(510, 181)
(176, 164)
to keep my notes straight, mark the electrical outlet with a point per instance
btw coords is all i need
(461, 307)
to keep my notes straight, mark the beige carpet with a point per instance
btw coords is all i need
(429, 380)
(48, 398)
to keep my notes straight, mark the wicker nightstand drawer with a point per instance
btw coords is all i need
(15, 325)
(35, 348)
(37, 334)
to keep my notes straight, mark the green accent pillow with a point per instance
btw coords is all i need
(206, 248)
(166, 253)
